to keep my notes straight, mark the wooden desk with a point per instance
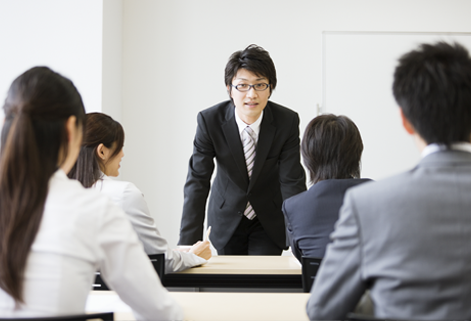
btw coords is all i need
(216, 306)
(254, 272)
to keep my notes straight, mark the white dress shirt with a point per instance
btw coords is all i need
(255, 126)
(433, 148)
(127, 196)
(82, 231)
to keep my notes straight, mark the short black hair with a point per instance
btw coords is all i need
(254, 59)
(331, 148)
(432, 86)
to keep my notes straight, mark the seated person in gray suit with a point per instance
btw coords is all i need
(331, 150)
(408, 238)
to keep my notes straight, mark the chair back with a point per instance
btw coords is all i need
(362, 317)
(157, 260)
(310, 265)
(105, 316)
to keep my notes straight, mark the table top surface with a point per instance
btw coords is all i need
(227, 264)
(216, 306)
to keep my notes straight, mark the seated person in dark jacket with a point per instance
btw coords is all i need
(331, 150)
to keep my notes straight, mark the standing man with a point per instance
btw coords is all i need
(256, 146)
(408, 238)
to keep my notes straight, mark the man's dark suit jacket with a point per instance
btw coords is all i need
(311, 216)
(277, 174)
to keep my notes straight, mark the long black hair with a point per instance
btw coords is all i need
(34, 141)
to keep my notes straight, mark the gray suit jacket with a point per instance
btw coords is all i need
(407, 239)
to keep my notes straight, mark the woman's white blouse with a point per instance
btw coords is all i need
(127, 196)
(82, 231)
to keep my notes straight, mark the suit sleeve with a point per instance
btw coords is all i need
(289, 228)
(196, 190)
(339, 286)
(292, 176)
(135, 206)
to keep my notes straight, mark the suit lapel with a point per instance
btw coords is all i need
(231, 132)
(265, 140)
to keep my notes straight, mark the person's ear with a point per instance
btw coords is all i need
(100, 151)
(229, 91)
(406, 123)
(71, 128)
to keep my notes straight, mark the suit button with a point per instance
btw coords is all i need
(240, 213)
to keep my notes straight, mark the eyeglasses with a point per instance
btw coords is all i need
(245, 87)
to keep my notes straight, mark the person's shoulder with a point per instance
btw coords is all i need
(216, 114)
(109, 183)
(296, 199)
(117, 190)
(69, 194)
(354, 182)
(322, 188)
(340, 182)
(219, 108)
(281, 116)
(280, 110)
(61, 185)
(132, 190)
(386, 187)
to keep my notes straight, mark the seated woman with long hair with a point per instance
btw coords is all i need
(55, 234)
(331, 150)
(99, 158)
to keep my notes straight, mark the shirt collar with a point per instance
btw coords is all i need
(255, 125)
(433, 148)
(60, 174)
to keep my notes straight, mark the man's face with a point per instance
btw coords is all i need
(249, 104)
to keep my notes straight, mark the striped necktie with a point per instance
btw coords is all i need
(249, 153)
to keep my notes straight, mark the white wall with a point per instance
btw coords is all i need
(112, 58)
(81, 39)
(174, 48)
(359, 85)
(63, 35)
(144, 62)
